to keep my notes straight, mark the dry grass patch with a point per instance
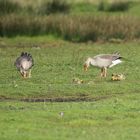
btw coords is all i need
(72, 28)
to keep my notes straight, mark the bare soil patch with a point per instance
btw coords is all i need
(56, 99)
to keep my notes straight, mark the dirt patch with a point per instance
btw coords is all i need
(56, 99)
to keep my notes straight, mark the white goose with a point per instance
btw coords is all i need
(103, 61)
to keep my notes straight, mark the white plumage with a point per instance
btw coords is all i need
(118, 61)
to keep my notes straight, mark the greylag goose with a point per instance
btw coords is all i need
(103, 61)
(24, 64)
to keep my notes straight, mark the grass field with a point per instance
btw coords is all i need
(109, 119)
(58, 62)
(112, 110)
(49, 105)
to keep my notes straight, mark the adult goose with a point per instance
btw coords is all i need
(24, 64)
(103, 61)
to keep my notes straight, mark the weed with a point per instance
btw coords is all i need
(72, 28)
(7, 7)
(118, 6)
(54, 6)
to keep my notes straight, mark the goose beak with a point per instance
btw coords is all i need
(85, 67)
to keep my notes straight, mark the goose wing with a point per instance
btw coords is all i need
(110, 57)
(105, 60)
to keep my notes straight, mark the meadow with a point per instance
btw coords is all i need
(109, 119)
(70, 22)
(31, 108)
(50, 105)
(58, 62)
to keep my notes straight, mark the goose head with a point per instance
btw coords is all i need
(87, 63)
(85, 67)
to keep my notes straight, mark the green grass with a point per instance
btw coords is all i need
(58, 62)
(112, 114)
(103, 109)
(25, 7)
(85, 8)
(83, 23)
(110, 119)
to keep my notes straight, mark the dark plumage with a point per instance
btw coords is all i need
(24, 64)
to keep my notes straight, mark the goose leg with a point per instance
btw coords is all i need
(102, 72)
(29, 73)
(105, 71)
(24, 74)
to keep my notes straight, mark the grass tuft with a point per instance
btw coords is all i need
(114, 6)
(118, 6)
(7, 7)
(72, 28)
(54, 6)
